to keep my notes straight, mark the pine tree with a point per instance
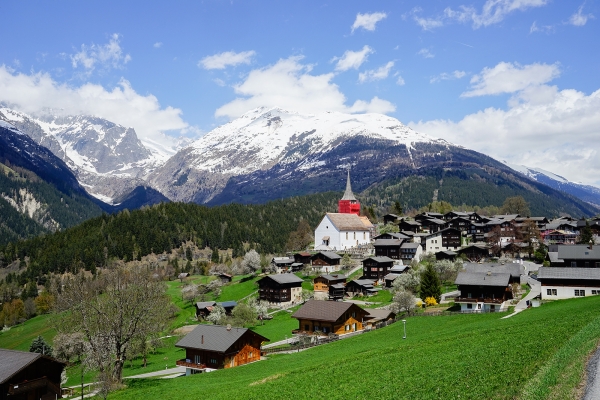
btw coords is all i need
(586, 235)
(39, 345)
(430, 284)
(215, 255)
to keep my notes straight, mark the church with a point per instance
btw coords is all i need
(344, 229)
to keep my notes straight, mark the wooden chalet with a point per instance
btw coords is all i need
(407, 225)
(515, 270)
(376, 268)
(322, 282)
(283, 263)
(203, 308)
(303, 257)
(326, 261)
(280, 289)
(320, 316)
(445, 239)
(225, 278)
(391, 219)
(476, 251)
(377, 316)
(482, 291)
(446, 255)
(25, 375)
(433, 225)
(337, 291)
(462, 224)
(410, 251)
(210, 347)
(574, 256)
(568, 282)
(363, 287)
(388, 248)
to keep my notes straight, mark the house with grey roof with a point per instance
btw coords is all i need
(210, 347)
(326, 261)
(280, 289)
(376, 268)
(567, 282)
(482, 291)
(574, 256)
(514, 269)
(340, 231)
(25, 375)
(325, 317)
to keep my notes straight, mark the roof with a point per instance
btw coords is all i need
(514, 269)
(447, 252)
(329, 254)
(204, 304)
(387, 242)
(569, 273)
(443, 230)
(363, 282)
(283, 260)
(507, 217)
(379, 313)
(578, 252)
(322, 310)
(230, 303)
(396, 235)
(482, 279)
(412, 223)
(183, 275)
(284, 278)
(332, 277)
(347, 222)
(348, 195)
(379, 259)
(337, 286)
(391, 277)
(410, 245)
(366, 222)
(13, 361)
(213, 338)
(398, 269)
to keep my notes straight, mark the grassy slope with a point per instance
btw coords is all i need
(463, 356)
(20, 336)
(279, 327)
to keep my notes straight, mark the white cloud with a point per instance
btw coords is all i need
(579, 18)
(352, 59)
(158, 45)
(226, 59)
(376, 74)
(509, 78)
(545, 128)
(367, 21)
(544, 28)
(106, 56)
(400, 81)
(289, 84)
(445, 76)
(492, 12)
(219, 81)
(425, 53)
(38, 92)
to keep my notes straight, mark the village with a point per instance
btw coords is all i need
(362, 279)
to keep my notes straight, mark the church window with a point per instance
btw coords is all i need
(346, 235)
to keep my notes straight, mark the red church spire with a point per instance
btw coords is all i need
(348, 204)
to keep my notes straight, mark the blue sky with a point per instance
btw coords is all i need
(516, 79)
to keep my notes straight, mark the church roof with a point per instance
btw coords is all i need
(347, 222)
(348, 195)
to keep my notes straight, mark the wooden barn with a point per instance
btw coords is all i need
(329, 317)
(280, 289)
(376, 268)
(323, 282)
(210, 347)
(326, 261)
(25, 375)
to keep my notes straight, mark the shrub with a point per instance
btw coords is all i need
(430, 301)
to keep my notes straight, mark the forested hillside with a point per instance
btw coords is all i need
(131, 235)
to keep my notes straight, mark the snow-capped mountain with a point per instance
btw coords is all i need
(285, 142)
(588, 193)
(108, 159)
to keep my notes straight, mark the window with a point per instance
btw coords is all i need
(594, 292)
(573, 264)
(553, 292)
(197, 359)
(365, 235)
(579, 293)
(479, 306)
(469, 295)
(346, 235)
(347, 327)
(549, 292)
(213, 361)
(587, 264)
(306, 327)
(597, 264)
(250, 354)
(353, 314)
(470, 306)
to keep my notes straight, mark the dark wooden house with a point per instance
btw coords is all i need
(376, 268)
(280, 288)
(210, 347)
(337, 291)
(388, 248)
(360, 287)
(446, 255)
(391, 219)
(329, 317)
(303, 257)
(412, 226)
(322, 282)
(25, 375)
(225, 278)
(482, 291)
(203, 308)
(326, 259)
(376, 317)
(475, 251)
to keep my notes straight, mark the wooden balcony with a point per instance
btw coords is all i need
(485, 300)
(189, 364)
(31, 385)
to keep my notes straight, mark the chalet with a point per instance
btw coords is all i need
(361, 287)
(482, 291)
(378, 316)
(302, 257)
(280, 289)
(540, 222)
(410, 251)
(515, 270)
(329, 317)
(376, 268)
(433, 225)
(203, 308)
(337, 291)
(407, 225)
(446, 255)
(506, 217)
(210, 347)
(566, 283)
(389, 279)
(321, 283)
(388, 248)
(225, 278)
(25, 375)
(282, 263)
(462, 224)
(339, 231)
(450, 215)
(476, 251)
(391, 219)
(446, 239)
(326, 261)
(428, 215)
(574, 256)
(556, 236)
(392, 235)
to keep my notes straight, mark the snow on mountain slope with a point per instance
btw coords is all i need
(262, 137)
(588, 193)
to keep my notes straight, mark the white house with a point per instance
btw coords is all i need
(444, 240)
(342, 231)
(567, 283)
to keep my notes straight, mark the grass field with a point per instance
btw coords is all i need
(239, 289)
(19, 337)
(537, 354)
(279, 327)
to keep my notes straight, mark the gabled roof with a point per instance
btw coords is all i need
(363, 282)
(569, 273)
(13, 361)
(435, 221)
(347, 222)
(515, 270)
(329, 254)
(578, 252)
(507, 217)
(482, 279)
(410, 245)
(398, 269)
(382, 259)
(214, 338)
(411, 223)
(204, 304)
(379, 313)
(396, 235)
(227, 304)
(387, 242)
(322, 310)
(391, 277)
(333, 277)
(283, 278)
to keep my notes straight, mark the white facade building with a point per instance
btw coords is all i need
(342, 231)
(567, 283)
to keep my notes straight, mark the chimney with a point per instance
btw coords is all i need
(489, 273)
(228, 327)
(202, 339)
(591, 244)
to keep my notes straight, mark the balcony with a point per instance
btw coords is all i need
(27, 386)
(189, 364)
(485, 300)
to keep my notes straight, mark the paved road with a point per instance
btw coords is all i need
(592, 388)
(162, 372)
(536, 288)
